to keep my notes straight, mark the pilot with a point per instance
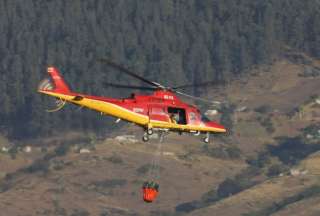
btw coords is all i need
(174, 118)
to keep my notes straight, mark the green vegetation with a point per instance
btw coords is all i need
(310, 72)
(62, 150)
(58, 210)
(115, 159)
(291, 150)
(277, 169)
(226, 118)
(313, 131)
(267, 164)
(226, 188)
(38, 166)
(80, 212)
(261, 160)
(13, 151)
(264, 109)
(110, 183)
(107, 211)
(106, 187)
(162, 213)
(144, 169)
(293, 112)
(276, 159)
(239, 183)
(193, 40)
(266, 122)
(223, 152)
(59, 164)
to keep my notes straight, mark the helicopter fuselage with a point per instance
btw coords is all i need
(160, 110)
(150, 111)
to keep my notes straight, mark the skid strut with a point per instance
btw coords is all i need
(206, 139)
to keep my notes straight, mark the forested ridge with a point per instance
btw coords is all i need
(193, 40)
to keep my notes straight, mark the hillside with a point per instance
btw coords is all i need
(108, 180)
(267, 165)
(193, 41)
(279, 103)
(284, 194)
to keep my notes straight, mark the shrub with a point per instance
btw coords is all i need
(291, 150)
(228, 187)
(13, 152)
(277, 206)
(161, 213)
(217, 152)
(37, 166)
(144, 169)
(261, 160)
(223, 152)
(80, 212)
(311, 129)
(226, 117)
(188, 206)
(210, 196)
(276, 169)
(233, 152)
(293, 112)
(115, 159)
(61, 150)
(263, 109)
(266, 122)
(110, 183)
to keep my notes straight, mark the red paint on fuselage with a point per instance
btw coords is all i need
(156, 107)
(160, 100)
(161, 109)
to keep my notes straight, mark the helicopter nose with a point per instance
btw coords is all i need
(216, 126)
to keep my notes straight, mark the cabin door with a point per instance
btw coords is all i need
(158, 113)
(178, 115)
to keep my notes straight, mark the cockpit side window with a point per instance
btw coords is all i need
(192, 116)
(204, 118)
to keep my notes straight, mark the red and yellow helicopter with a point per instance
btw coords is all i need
(162, 110)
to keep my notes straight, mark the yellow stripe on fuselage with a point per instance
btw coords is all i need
(104, 107)
(187, 127)
(122, 113)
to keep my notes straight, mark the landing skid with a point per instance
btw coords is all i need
(150, 131)
(206, 139)
(145, 137)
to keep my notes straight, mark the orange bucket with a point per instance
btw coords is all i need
(150, 191)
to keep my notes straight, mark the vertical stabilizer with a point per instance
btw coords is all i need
(59, 83)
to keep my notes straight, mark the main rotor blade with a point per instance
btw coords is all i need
(128, 86)
(198, 98)
(195, 85)
(130, 73)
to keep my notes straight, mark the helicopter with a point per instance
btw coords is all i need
(161, 110)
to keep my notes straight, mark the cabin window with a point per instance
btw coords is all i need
(157, 111)
(178, 115)
(204, 118)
